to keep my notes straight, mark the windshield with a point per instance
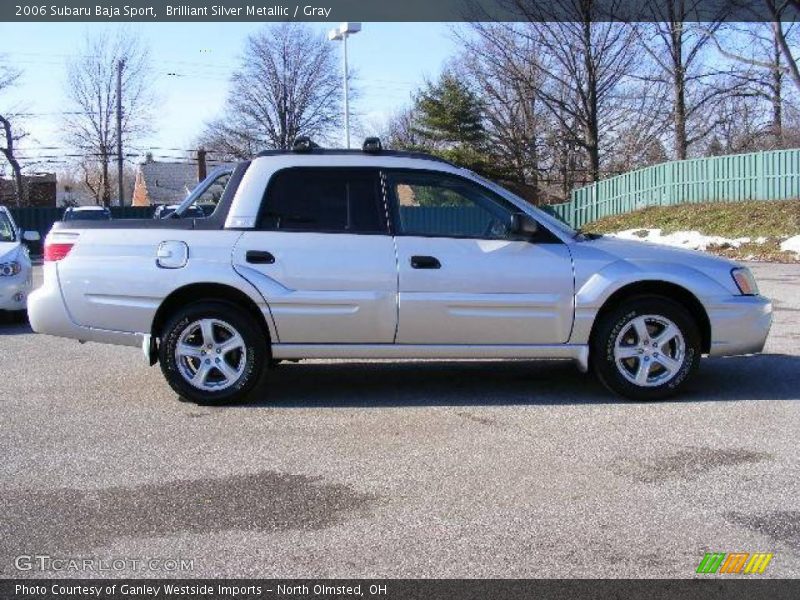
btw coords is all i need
(87, 215)
(551, 220)
(7, 233)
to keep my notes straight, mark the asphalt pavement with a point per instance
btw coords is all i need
(404, 469)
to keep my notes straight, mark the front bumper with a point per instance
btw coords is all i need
(739, 325)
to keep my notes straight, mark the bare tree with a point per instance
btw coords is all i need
(400, 132)
(771, 81)
(741, 129)
(766, 72)
(288, 84)
(91, 86)
(504, 66)
(559, 97)
(763, 47)
(676, 43)
(588, 59)
(8, 76)
(776, 10)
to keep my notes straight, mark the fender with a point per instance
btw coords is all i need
(595, 290)
(218, 275)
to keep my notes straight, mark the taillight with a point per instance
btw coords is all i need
(55, 251)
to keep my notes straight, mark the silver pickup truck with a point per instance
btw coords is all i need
(385, 255)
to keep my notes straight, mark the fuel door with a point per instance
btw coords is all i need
(172, 255)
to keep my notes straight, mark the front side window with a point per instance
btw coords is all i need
(7, 233)
(440, 205)
(325, 200)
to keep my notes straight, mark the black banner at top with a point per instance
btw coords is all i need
(397, 10)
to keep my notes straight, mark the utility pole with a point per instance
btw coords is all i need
(346, 97)
(120, 67)
(202, 167)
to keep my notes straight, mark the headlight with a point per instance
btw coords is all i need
(745, 281)
(9, 269)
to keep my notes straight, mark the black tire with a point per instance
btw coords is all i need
(252, 361)
(620, 322)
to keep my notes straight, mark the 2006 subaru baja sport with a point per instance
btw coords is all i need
(377, 254)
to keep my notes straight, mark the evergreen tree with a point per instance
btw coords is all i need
(449, 114)
(447, 120)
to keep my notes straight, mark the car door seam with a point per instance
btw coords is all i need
(392, 232)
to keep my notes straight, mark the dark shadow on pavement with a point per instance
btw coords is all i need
(9, 327)
(495, 383)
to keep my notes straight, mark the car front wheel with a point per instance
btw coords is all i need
(646, 349)
(213, 353)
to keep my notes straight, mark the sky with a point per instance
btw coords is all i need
(192, 63)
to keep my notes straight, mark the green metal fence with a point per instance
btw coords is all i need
(771, 175)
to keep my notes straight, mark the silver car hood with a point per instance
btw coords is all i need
(596, 254)
(632, 249)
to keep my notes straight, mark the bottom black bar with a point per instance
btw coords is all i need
(397, 589)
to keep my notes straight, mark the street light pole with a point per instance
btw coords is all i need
(346, 97)
(340, 34)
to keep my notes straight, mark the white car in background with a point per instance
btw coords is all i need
(15, 265)
(87, 213)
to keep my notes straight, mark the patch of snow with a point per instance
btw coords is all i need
(693, 240)
(792, 245)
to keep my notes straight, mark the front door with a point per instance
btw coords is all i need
(322, 257)
(463, 277)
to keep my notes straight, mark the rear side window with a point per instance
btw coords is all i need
(325, 200)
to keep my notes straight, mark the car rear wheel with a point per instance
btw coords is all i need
(646, 349)
(213, 353)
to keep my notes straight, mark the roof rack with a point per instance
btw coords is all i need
(304, 144)
(372, 146)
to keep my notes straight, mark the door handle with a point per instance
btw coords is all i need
(425, 262)
(259, 257)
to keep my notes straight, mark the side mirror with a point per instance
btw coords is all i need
(31, 236)
(523, 225)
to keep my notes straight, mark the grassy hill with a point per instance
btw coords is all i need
(767, 222)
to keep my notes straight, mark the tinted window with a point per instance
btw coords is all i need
(433, 204)
(324, 200)
(6, 229)
(87, 215)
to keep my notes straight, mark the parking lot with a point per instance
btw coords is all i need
(407, 469)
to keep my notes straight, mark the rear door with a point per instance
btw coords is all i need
(464, 279)
(322, 257)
